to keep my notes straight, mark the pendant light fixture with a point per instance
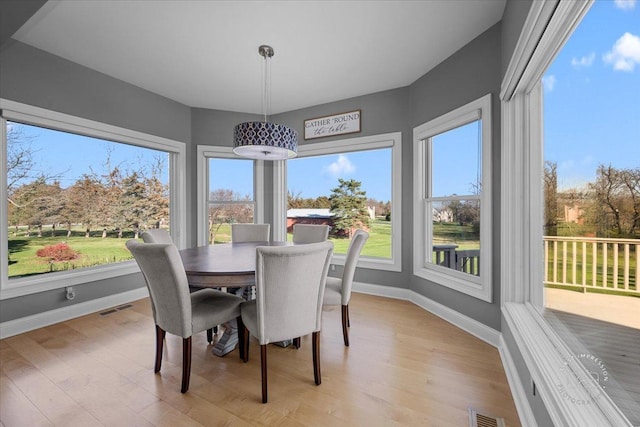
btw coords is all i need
(265, 140)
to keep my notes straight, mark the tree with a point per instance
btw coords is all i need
(36, 204)
(21, 166)
(157, 196)
(133, 203)
(550, 198)
(349, 206)
(20, 163)
(83, 201)
(296, 201)
(228, 207)
(616, 197)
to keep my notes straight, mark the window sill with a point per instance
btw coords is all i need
(569, 393)
(385, 264)
(472, 285)
(46, 282)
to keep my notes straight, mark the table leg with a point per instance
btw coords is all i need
(228, 340)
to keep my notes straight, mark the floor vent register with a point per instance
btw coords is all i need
(477, 419)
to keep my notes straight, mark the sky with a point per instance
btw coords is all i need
(76, 155)
(592, 95)
(591, 117)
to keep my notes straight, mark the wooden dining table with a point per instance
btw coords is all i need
(231, 265)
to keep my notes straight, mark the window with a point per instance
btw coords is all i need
(370, 168)
(231, 198)
(591, 234)
(572, 390)
(231, 189)
(75, 191)
(451, 204)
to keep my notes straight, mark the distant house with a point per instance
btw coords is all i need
(444, 215)
(308, 216)
(574, 213)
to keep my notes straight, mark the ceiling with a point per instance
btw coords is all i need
(205, 53)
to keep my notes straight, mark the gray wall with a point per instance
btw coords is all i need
(469, 74)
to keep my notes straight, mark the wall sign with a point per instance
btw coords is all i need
(338, 124)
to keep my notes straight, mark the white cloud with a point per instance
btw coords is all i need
(625, 53)
(549, 82)
(625, 4)
(342, 166)
(585, 61)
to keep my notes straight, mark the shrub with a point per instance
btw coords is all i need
(58, 252)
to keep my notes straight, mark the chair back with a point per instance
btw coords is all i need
(353, 254)
(166, 279)
(290, 283)
(310, 233)
(250, 233)
(156, 235)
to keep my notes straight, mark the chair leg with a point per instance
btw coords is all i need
(160, 334)
(348, 317)
(186, 363)
(316, 357)
(210, 335)
(263, 368)
(243, 340)
(345, 323)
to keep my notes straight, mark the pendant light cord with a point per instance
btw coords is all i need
(266, 53)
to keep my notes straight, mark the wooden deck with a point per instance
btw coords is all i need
(606, 327)
(404, 367)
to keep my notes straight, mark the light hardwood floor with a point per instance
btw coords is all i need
(404, 367)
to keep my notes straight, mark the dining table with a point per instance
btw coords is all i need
(224, 265)
(230, 265)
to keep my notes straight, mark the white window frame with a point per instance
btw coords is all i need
(551, 364)
(477, 286)
(204, 153)
(389, 140)
(23, 113)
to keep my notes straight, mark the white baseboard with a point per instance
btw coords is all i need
(518, 391)
(40, 320)
(475, 328)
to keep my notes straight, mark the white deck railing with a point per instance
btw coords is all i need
(590, 262)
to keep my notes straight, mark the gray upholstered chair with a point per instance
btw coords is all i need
(338, 290)
(156, 235)
(310, 233)
(175, 310)
(289, 292)
(250, 233)
(241, 233)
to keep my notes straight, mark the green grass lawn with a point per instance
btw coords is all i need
(94, 250)
(378, 245)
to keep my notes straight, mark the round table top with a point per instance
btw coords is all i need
(223, 259)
